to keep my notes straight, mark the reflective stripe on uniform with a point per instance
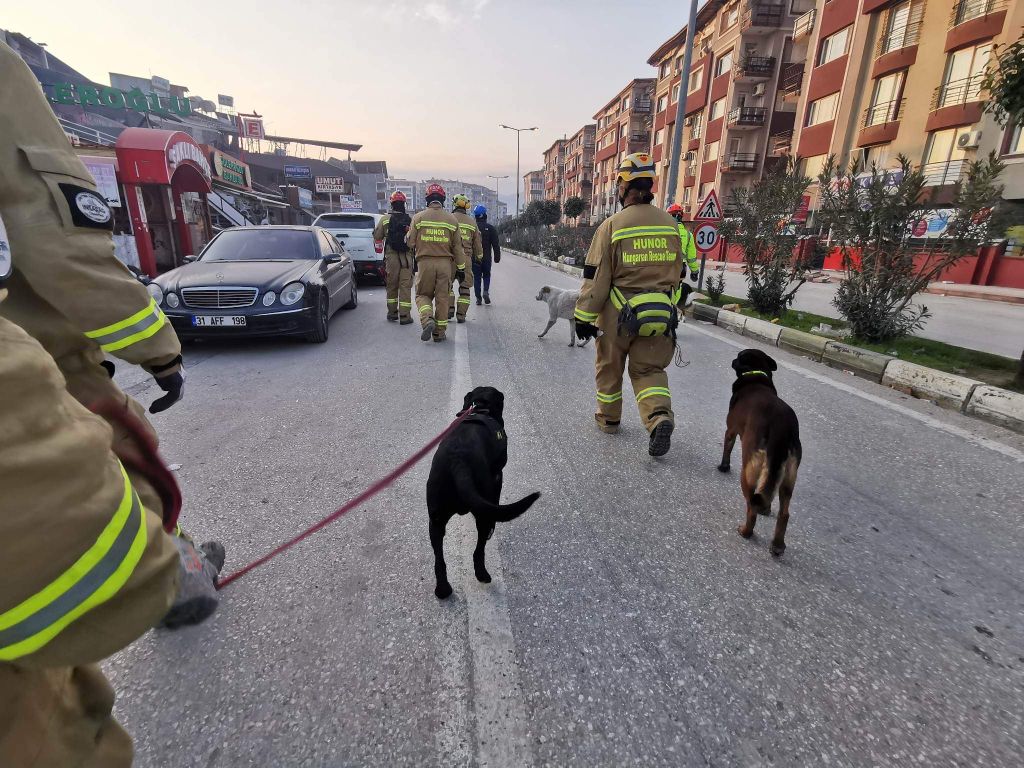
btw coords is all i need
(405, 304)
(92, 580)
(442, 224)
(586, 317)
(441, 323)
(603, 397)
(139, 326)
(654, 230)
(392, 301)
(643, 394)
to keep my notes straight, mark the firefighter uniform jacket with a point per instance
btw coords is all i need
(68, 289)
(470, 234)
(636, 250)
(435, 232)
(689, 248)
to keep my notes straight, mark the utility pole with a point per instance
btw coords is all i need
(684, 84)
(518, 177)
(497, 199)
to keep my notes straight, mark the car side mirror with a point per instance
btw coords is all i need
(333, 258)
(190, 258)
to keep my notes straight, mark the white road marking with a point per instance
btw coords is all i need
(952, 429)
(499, 713)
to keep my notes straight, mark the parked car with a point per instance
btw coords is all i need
(259, 281)
(355, 231)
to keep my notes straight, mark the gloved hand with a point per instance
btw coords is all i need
(174, 385)
(460, 275)
(108, 367)
(694, 275)
(586, 331)
(198, 568)
(497, 258)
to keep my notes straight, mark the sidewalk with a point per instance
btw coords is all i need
(986, 292)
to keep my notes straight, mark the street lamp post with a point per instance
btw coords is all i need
(496, 197)
(518, 177)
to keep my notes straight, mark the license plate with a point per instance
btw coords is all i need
(206, 321)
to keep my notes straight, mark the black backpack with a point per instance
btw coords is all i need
(398, 226)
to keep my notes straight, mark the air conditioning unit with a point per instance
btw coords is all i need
(688, 121)
(759, 89)
(969, 140)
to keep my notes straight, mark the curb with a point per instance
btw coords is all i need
(968, 396)
(966, 293)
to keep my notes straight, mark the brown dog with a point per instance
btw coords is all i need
(770, 434)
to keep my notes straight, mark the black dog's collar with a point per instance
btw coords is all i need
(755, 373)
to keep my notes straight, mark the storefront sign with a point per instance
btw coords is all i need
(185, 150)
(800, 214)
(332, 184)
(225, 101)
(104, 173)
(231, 170)
(250, 127)
(350, 203)
(305, 198)
(298, 172)
(933, 223)
(90, 96)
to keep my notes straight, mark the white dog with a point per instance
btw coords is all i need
(561, 303)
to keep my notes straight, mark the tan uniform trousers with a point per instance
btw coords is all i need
(646, 358)
(399, 284)
(433, 282)
(460, 306)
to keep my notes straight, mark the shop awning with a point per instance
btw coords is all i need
(170, 158)
(273, 202)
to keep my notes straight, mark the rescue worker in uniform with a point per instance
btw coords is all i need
(689, 245)
(482, 268)
(398, 259)
(628, 302)
(435, 240)
(473, 247)
(88, 567)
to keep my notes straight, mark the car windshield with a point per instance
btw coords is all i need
(346, 221)
(261, 245)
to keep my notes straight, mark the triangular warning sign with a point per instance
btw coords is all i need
(710, 209)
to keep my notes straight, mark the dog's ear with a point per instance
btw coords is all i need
(467, 400)
(737, 365)
(546, 289)
(771, 364)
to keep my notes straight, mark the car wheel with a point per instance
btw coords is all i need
(320, 320)
(353, 300)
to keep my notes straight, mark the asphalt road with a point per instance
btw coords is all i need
(628, 623)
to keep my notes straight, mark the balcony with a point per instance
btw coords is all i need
(762, 18)
(780, 144)
(966, 10)
(956, 93)
(642, 106)
(739, 162)
(883, 112)
(696, 131)
(904, 37)
(754, 68)
(804, 25)
(639, 137)
(944, 173)
(791, 80)
(747, 117)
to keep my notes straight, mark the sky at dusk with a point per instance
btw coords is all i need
(422, 85)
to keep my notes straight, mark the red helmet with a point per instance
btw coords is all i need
(397, 197)
(435, 189)
(675, 209)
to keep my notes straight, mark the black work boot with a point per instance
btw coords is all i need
(661, 439)
(487, 298)
(428, 330)
(479, 301)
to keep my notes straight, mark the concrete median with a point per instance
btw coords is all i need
(947, 389)
(862, 362)
(762, 330)
(705, 312)
(801, 343)
(999, 406)
(732, 321)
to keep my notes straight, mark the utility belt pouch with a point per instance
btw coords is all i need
(648, 313)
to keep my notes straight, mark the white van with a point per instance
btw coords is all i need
(354, 230)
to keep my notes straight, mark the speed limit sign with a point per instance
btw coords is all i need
(706, 237)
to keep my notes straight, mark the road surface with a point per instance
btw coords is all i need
(628, 623)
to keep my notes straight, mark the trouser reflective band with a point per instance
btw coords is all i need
(139, 326)
(405, 304)
(612, 398)
(426, 309)
(643, 394)
(93, 579)
(463, 300)
(392, 301)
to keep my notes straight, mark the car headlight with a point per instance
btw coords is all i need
(156, 292)
(292, 293)
(269, 298)
(172, 300)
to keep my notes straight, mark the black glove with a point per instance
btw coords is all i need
(108, 367)
(174, 385)
(460, 275)
(694, 276)
(586, 331)
(497, 258)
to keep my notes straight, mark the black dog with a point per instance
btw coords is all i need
(465, 476)
(770, 434)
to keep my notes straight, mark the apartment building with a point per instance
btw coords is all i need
(554, 168)
(533, 186)
(578, 173)
(623, 126)
(738, 122)
(888, 78)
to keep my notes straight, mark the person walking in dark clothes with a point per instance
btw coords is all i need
(482, 268)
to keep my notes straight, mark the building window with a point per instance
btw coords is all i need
(625, 103)
(664, 69)
(710, 151)
(724, 64)
(679, 63)
(876, 157)
(696, 78)
(675, 93)
(1015, 146)
(686, 195)
(659, 137)
(717, 109)
(885, 100)
(822, 110)
(695, 125)
(962, 80)
(902, 26)
(731, 16)
(662, 102)
(834, 46)
(944, 161)
(811, 166)
(705, 189)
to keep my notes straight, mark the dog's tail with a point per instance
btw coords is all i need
(776, 463)
(500, 513)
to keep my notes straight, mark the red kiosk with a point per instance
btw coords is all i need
(156, 167)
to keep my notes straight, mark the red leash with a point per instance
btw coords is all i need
(369, 493)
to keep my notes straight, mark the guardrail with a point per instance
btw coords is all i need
(748, 116)
(965, 10)
(957, 92)
(883, 112)
(904, 37)
(740, 161)
(805, 24)
(943, 173)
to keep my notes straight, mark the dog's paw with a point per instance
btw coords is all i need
(443, 591)
(483, 576)
(777, 549)
(742, 531)
(724, 467)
